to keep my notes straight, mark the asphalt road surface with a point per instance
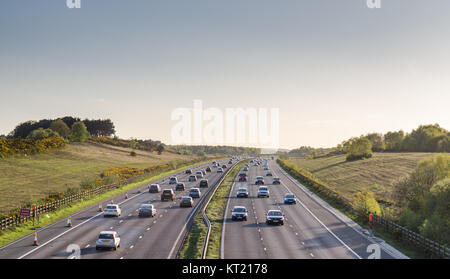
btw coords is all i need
(310, 231)
(155, 237)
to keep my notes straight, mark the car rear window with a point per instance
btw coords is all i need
(111, 207)
(106, 236)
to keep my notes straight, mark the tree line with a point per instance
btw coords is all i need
(202, 150)
(425, 138)
(95, 127)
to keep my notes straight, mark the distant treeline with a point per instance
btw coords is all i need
(426, 138)
(213, 150)
(305, 151)
(95, 127)
(147, 145)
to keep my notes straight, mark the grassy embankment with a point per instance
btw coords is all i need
(15, 233)
(192, 247)
(31, 178)
(375, 174)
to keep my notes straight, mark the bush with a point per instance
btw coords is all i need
(79, 132)
(40, 133)
(61, 128)
(133, 154)
(13, 146)
(365, 202)
(358, 149)
(87, 183)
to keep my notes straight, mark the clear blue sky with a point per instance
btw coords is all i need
(335, 69)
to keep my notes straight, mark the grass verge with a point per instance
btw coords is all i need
(10, 235)
(192, 247)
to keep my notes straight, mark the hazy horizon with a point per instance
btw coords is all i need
(334, 69)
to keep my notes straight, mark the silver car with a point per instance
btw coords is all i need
(263, 191)
(108, 239)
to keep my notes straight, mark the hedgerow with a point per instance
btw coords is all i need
(15, 146)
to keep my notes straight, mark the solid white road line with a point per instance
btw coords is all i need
(222, 237)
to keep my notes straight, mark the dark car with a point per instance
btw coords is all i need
(269, 174)
(173, 180)
(242, 177)
(188, 171)
(259, 180)
(167, 194)
(195, 193)
(154, 188)
(186, 202)
(192, 178)
(208, 169)
(224, 166)
(276, 180)
(147, 210)
(180, 187)
(204, 183)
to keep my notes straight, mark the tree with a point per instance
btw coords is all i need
(61, 128)
(377, 141)
(358, 149)
(394, 140)
(42, 134)
(201, 153)
(79, 132)
(160, 149)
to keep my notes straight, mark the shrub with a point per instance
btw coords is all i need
(365, 202)
(358, 149)
(79, 132)
(133, 154)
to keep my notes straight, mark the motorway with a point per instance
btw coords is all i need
(144, 238)
(310, 231)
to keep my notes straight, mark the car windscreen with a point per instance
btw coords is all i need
(106, 236)
(275, 213)
(146, 207)
(186, 199)
(239, 209)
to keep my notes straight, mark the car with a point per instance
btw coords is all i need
(188, 171)
(224, 166)
(147, 209)
(208, 169)
(266, 168)
(251, 161)
(203, 183)
(269, 173)
(276, 180)
(242, 193)
(215, 164)
(180, 187)
(167, 194)
(108, 239)
(154, 188)
(290, 198)
(195, 193)
(263, 191)
(275, 217)
(192, 178)
(199, 174)
(239, 213)
(186, 201)
(112, 210)
(242, 177)
(173, 180)
(230, 162)
(219, 170)
(203, 171)
(245, 169)
(259, 180)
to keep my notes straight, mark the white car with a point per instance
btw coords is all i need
(108, 239)
(263, 191)
(199, 174)
(219, 170)
(112, 210)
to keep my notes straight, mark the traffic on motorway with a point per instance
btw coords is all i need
(147, 223)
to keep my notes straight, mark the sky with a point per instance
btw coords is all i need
(334, 69)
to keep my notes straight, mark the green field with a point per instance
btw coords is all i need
(30, 178)
(375, 174)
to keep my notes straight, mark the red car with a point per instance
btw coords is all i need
(167, 194)
(224, 166)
